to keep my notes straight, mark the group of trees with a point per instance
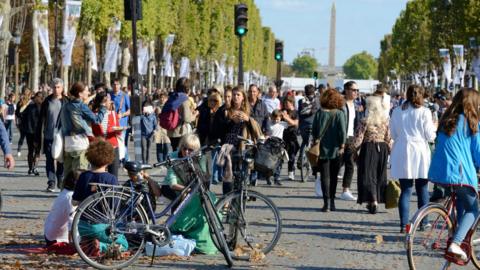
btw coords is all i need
(422, 29)
(203, 29)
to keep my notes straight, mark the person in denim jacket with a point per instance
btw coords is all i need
(76, 118)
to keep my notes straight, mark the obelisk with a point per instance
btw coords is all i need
(331, 52)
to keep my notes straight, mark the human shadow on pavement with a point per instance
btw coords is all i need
(328, 268)
(366, 238)
(38, 196)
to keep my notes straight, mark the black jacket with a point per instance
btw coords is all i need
(44, 117)
(31, 118)
(260, 113)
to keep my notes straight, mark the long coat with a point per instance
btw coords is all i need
(411, 129)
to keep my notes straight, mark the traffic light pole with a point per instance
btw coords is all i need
(278, 81)
(136, 94)
(240, 61)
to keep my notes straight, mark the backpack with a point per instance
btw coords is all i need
(169, 119)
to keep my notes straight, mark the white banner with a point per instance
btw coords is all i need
(476, 66)
(230, 72)
(70, 23)
(221, 73)
(185, 67)
(169, 70)
(435, 78)
(143, 57)
(93, 56)
(43, 33)
(112, 48)
(447, 64)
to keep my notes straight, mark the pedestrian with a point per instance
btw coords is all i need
(148, 125)
(456, 157)
(76, 118)
(49, 118)
(9, 115)
(31, 120)
(412, 129)
(290, 116)
(22, 104)
(179, 101)
(373, 139)
(109, 129)
(271, 99)
(329, 127)
(161, 138)
(122, 106)
(353, 118)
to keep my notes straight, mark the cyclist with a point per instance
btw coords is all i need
(457, 152)
(5, 145)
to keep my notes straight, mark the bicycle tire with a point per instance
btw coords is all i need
(95, 214)
(305, 169)
(427, 241)
(475, 243)
(216, 230)
(236, 222)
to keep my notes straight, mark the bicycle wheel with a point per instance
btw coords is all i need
(216, 230)
(428, 239)
(108, 231)
(475, 244)
(305, 169)
(253, 223)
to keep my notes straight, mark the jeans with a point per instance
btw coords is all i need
(126, 136)
(53, 175)
(146, 143)
(217, 171)
(162, 151)
(115, 165)
(467, 211)
(406, 185)
(9, 127)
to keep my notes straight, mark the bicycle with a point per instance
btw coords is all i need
(115, 215)
(246, 213)
(303, 164)
(430, 233)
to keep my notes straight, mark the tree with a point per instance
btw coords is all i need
(304, 65)
(361, 66)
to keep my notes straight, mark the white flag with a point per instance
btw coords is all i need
(143, 57)
(93, 55)
(169, 71)
(43, 33)
(70, 23)
(447, 64)
(230, 72)
(185, 67)
(112, 48)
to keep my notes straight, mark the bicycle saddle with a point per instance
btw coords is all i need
(135, 166)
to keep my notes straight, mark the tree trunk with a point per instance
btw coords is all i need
(35, 73)
(5, 37)
(88, 41)
(124, 71)
(65, 79)
(151, 66)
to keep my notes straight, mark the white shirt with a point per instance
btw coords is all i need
(411, 130)
(276, 129)
(351, 119)
(59, 220)
(271, 103)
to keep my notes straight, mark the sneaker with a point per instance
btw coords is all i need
(278, 183)
(35, 172)
(19, 154)
(457, 251)
(347, 196)
(51, 187)
(291, 175)
(269, 182)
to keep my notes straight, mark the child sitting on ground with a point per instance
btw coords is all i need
(59, 220)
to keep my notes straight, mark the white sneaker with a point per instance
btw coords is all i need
(19, 154)
(347, 196)
(457, 251)
(291, 175)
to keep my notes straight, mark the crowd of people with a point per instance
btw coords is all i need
(373, 132)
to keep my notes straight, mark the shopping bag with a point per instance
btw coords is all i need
(57, 145)
(392, 194)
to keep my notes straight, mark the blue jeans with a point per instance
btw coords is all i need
(217, 171)
(406, 185)
(9, 127)
(126, 136)
(162, 151)
(467, 211)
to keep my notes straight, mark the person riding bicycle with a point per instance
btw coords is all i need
(457, 153)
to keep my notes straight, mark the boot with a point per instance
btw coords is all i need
(325, 205)
(332, 205)
(227, 187)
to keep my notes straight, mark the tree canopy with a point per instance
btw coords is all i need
(361, 66)
(304, 65)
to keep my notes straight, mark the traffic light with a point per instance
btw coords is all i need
(278, 50)
(128, 10)
(315, 75)
(241, 19)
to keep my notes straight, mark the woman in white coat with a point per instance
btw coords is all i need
(412, 128)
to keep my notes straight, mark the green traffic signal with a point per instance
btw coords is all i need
(278, 56)
(241, 31)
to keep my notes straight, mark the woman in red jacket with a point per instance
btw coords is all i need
(109, 128)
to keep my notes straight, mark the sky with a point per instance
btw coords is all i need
(361, 25)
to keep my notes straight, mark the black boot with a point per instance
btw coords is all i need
(332, 205)
(325, 204)
(227, 187)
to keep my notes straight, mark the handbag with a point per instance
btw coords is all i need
(314, 152)
(392, 194)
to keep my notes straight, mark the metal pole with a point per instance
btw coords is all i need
(55, 48)
(135, 97)
(278, 81)
(17, 87)
(240, 61)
